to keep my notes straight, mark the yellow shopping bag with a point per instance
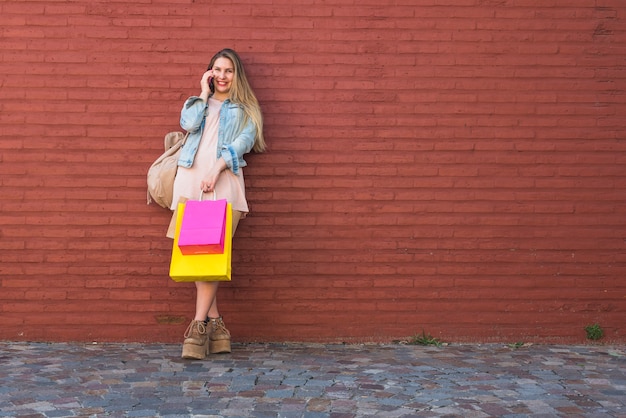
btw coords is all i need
(202, 267)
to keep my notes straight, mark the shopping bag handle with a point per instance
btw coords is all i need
(202, 193)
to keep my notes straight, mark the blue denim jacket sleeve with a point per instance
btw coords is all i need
(192, 114)
(232, 145)
(192, 121)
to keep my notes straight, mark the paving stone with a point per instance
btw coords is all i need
(312, 380)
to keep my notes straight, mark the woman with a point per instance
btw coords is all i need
(224, 123)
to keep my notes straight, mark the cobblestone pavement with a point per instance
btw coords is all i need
(311, 380)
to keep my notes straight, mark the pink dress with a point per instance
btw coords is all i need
(229, 186)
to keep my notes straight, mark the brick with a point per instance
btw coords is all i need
(437, 161)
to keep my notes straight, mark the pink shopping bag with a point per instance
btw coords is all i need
(202, 227)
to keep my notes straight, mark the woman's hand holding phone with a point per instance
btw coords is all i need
(205, 84)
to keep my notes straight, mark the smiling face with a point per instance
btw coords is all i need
(224, 74)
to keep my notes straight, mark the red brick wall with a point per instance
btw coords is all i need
(449, 166)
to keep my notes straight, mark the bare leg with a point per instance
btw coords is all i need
(205, 299)
(206, 292)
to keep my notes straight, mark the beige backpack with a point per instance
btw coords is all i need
(162, 172)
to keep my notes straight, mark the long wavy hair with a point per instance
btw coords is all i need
(242, 94)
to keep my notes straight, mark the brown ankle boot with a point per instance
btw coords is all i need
(219, 337)
(196, 342)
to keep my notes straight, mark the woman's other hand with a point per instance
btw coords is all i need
(207, 185)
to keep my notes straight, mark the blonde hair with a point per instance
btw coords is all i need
(242, 94)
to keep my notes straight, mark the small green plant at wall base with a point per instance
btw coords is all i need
(594, 332)
(519, 344)
(424, 339)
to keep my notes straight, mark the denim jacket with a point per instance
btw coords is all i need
(231, 144)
